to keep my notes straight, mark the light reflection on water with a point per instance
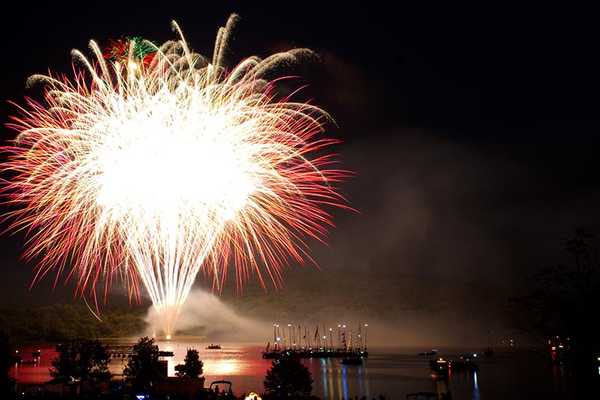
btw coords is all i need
(393, 373)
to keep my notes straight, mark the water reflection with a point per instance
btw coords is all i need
(223, 367)
(218, 364)
(475, 387)
(323, 376)
(345, 381)
(387, 372)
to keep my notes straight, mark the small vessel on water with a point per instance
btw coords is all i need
(213, 347)
(352, 361)
(432, 352)
(422, 396)
(440, 367)
(465, 363)
(165, 354)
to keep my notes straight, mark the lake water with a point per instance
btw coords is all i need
(390, 372)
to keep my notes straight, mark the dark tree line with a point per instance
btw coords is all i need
(66, 322)
(564, 300)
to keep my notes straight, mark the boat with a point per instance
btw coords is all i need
(165, 354)
(36, 353)
(440, 367)
(213, 347)
(465, 363)
(432, 352)
(352, 361)
(298, 341)
(315, 353)
(221, 391)
(422, 396)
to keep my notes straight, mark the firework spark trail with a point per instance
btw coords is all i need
(156, 170)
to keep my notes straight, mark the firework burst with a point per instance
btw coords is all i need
(154, 163)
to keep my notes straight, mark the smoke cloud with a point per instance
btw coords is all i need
(205, 315)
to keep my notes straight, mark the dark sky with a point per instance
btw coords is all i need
(473, 130)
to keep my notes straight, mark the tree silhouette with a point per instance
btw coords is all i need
(288, 378)
(143, 367)
(564, 301)
(82, 360)
(85, 361)
(7, 359)
(192, 366)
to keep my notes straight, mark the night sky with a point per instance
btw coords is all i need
(473, 131)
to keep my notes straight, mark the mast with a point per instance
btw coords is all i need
(360, 340)
(331, 338)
